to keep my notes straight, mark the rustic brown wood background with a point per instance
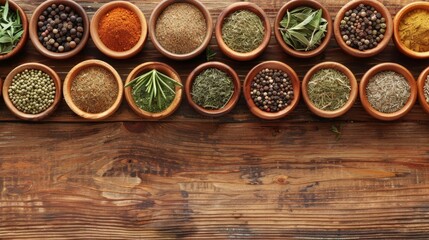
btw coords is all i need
(234, 177)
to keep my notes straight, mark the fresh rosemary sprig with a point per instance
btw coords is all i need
(153, 91)
(10, 29)
(303, 28)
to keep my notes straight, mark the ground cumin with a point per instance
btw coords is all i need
(94, 90)
(120, 29)
(414, 30)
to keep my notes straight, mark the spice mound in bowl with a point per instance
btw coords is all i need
(303, 28)
(153, 90)
(243, 31)
(363, 28)
(410, 30)
(388, 91)
(93, 90)
(59, 29)
(271, 90)
(13, 29)
(180, 30)
(119, 29)
(329, 89)
(213, 89)
(32, 91)
(423, 89)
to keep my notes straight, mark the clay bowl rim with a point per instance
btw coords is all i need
(70, 78)
(292, 5)
(37, 66)
(271, 65)
(96, 38)
(353, 93)
(164, 68)
(35, 38)
(388, 67)
(24, 20)
(387, 35)
(420, 88)
(398, 17)
(157, 12)
(230, 10)
(234, 98)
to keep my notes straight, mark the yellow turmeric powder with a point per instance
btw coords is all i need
(414, 30)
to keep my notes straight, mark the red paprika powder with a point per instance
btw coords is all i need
(120, 29)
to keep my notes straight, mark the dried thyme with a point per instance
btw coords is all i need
(303, 28)
(10, 29)
(153, 91)
(243, 31)
(212, 89)
(94, 90)
(329, 89)
(426, 89)
(388, 91)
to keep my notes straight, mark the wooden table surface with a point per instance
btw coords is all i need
(233, 177)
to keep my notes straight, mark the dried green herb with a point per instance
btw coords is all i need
(243, 31)
(10, 29)
(153, 91)
(388, 91)
(337, 130)
(303, 28)
(212, 89)
(329, 89)
(210, 54)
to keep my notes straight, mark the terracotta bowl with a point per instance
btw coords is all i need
(369, 52)
(420, 89)
(24, 37)
(230, 10)
(290, 6)
(387, 67)
(401, 47)
(165, 69)
(158, 11)
(101, 12)
(353, 93)
(235, 96)
(69, 81)
(45, 69)
(35, 37)
(272, 65)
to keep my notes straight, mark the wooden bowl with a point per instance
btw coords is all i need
(165, 69)
(353, 93)
(152, 24)
(101, 12)
(271, 65)
(37, 66)
(396, 38)
(35, 37)
(420, 89)
(24, 37)
(69, 81)
(234, 98)
(290, 6)
(230, 10)
(369, 52)
(387, 67)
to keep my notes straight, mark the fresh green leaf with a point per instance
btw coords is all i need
(5, 11)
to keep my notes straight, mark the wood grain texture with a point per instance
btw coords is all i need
(234, 177)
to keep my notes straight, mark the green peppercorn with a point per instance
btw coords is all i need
(32, 91)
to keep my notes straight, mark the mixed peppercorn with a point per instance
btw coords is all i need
(271, 90)
(60, 28)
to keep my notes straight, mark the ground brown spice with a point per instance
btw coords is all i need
(94, 90)
(181, 28)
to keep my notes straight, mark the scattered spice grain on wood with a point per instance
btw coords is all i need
(94, 89)
(120, 29)
(181, 28)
